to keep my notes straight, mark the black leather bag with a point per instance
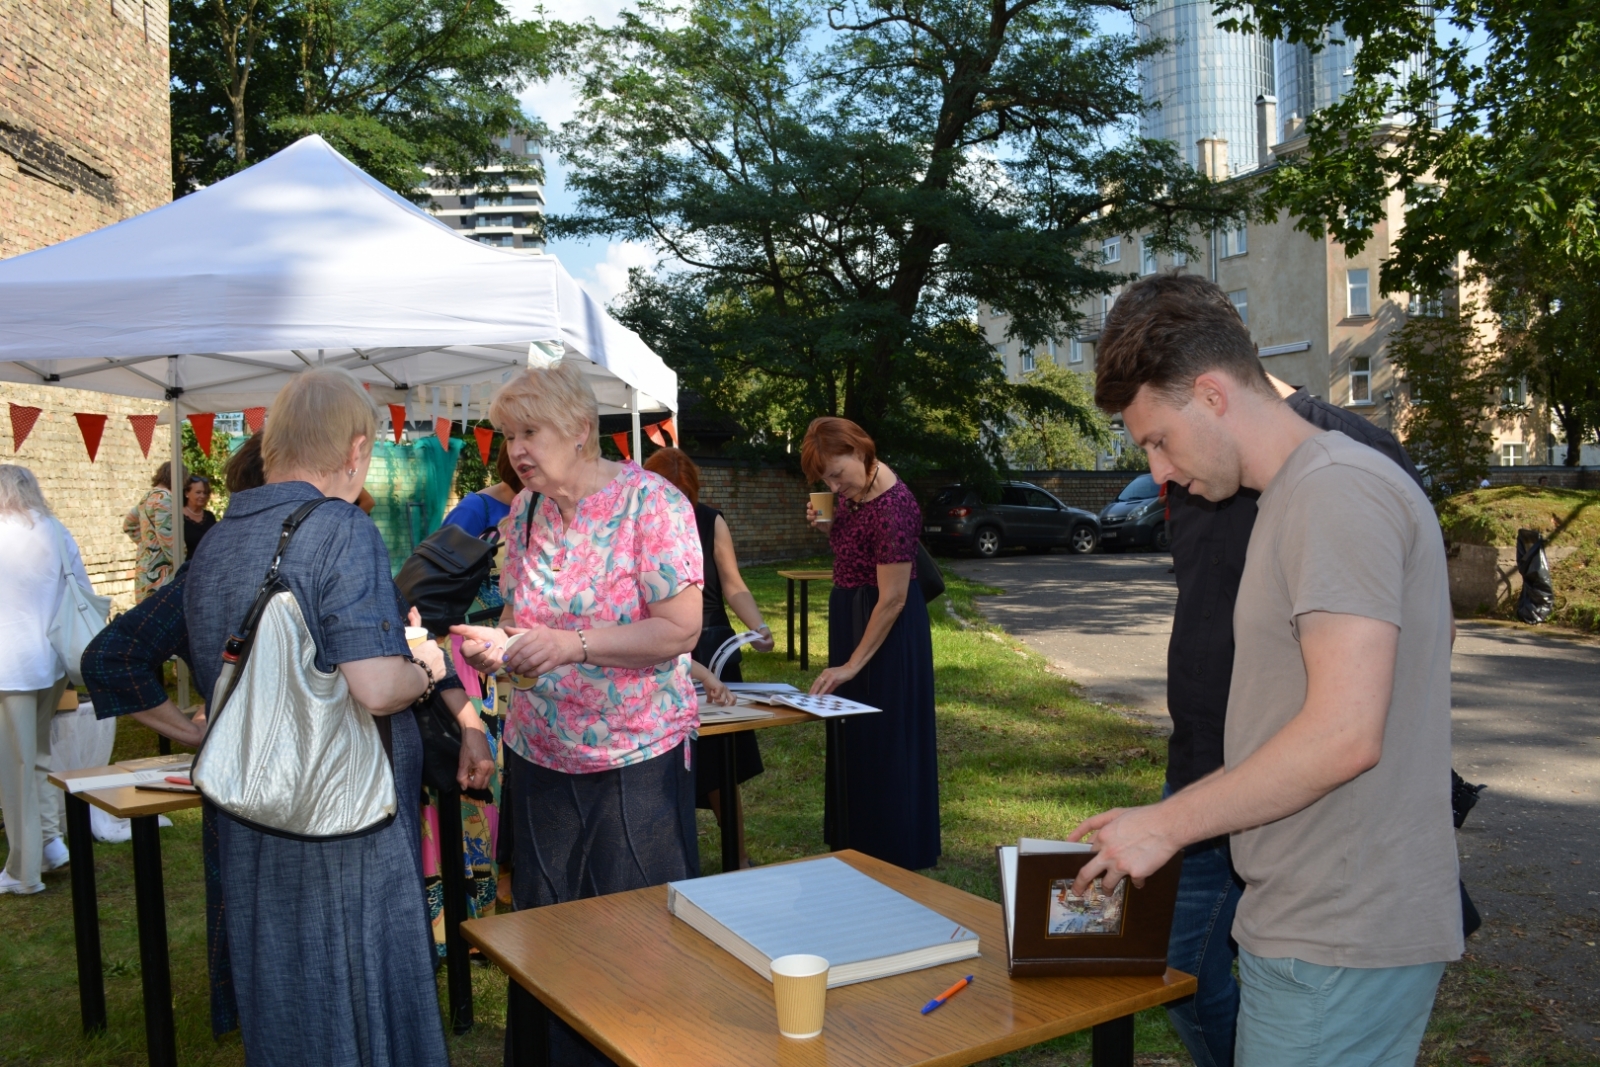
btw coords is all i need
(442, 576)
(929, 577)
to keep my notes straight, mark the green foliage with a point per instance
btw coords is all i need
(1131, 458)
(1453, 382)
(393, 84)
(1041, 439)
(472, 474)
(838, 187)
(209, 467)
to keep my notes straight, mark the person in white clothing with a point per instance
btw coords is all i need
(32, 676)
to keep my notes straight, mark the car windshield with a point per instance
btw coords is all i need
(1141, 488)
(951, 497)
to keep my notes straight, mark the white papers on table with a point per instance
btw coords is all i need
(711, 714)
(115, 781)
(823, 707)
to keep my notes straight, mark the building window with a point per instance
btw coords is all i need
(1111, 250)
(1358, 290)
(1147, 257)
(1512, 454)
(1075, 351)
(1026, 361)
(1180, 259)
(1235, 242)
(1241, 304)
(1431, 307)
(1514, 394)
(1361, 380)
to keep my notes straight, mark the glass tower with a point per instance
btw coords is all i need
(1309, 81)
(1205, 83)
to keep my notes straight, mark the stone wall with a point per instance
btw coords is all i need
(89, 498)
(765, 508)
(85, 128)
(1555, 477)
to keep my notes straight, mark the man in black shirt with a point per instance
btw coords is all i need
(1209, 541)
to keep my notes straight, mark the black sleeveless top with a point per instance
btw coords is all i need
(712, 611)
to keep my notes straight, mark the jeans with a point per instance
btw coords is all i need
(1298, 1014)
(1202, 945)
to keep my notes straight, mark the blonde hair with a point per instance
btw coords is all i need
(314, 420)
(20, 493)
(558, 396)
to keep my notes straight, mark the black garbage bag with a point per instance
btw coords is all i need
(1538, 597)
(1463, 796)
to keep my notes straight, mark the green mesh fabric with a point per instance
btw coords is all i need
(411, 483)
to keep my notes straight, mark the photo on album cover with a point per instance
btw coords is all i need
(1094, 913)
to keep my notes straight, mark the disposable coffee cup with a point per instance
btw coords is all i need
(416, 636)
(822, 504)
(800, 987)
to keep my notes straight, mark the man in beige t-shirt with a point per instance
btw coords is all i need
(1337, 747)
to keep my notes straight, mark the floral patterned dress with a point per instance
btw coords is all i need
(149, 525)
(631, 544)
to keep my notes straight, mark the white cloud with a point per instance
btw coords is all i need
(608, 279)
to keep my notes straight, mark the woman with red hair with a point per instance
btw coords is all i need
(880, 651)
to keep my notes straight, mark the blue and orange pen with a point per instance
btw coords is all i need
(947, 994)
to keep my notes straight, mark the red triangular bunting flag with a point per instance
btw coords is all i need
(92, 427)
(22, 420)
(254, 418)
(441, 430)
(144, 428)
(653, 431)
(670, 428)
(485, 437)
(203, 422)
(622, 443)
(397, 419)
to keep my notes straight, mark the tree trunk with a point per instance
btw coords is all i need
(1572, 427)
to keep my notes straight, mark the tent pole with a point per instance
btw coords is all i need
(177, 518)
(633, 408)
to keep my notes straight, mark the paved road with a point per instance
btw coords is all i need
(1527, 723)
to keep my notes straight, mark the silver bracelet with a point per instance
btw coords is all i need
(584, 641)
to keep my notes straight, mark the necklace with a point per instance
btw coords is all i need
(862, 499)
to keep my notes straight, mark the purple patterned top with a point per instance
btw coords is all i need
(883, 530)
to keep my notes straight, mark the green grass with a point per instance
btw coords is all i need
(1020, 751)
(1568, 518)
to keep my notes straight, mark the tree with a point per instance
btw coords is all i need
(837, 188)
(1043, 440)
(393, 84)
(1453, 379)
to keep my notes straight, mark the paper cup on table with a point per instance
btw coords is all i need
(416, 636)
(822, 504)
(800, 986)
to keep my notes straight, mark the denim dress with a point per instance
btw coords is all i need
(331, 952)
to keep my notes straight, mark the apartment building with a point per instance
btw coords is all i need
(509, 218)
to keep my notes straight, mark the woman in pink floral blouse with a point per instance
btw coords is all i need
(602, 585)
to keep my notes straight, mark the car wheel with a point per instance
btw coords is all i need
(987, 542)
(1162, 540)
(1083, 539)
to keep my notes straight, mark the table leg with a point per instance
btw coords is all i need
(805, 625)
(151, 906)
(85, 916)
(841, 792)
(791, 618)
(527, 1029)
(1112, 1043)
(453, 880)
(730, 804)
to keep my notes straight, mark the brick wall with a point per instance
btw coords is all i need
(1555, 477)
(85, 129)
(765, 508)
(89, 498)
(1090, 490)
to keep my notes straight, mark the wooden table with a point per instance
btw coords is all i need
(649, 991)
(805, 578)
(142, 808)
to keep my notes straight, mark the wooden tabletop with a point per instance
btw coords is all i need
(650, 991)
(780, 717)
(126, 802)
(806, 576)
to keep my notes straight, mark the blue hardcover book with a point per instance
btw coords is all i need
(823, 907)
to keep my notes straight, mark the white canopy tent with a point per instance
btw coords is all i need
(303, 260)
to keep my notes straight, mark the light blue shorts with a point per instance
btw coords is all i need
(1298, 1014)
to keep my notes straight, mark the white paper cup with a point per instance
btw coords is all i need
(416, 636)
(800, 987)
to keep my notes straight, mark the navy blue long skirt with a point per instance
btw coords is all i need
(331, 950)
(891, 758)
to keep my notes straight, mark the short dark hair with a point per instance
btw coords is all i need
(244, 470)
(1165, 331)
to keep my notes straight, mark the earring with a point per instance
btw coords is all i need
(351, 472)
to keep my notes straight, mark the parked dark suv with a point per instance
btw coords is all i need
(1026, 516)
(1137, 518)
